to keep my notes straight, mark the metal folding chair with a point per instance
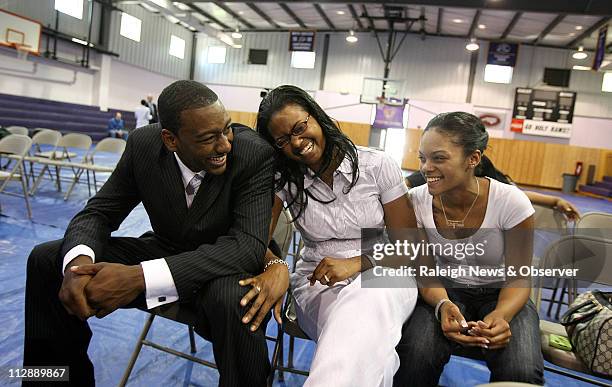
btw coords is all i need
(63, 156)
(592, 256)
(107, 145)
(18, 146)
(18, 130)
(184, 314)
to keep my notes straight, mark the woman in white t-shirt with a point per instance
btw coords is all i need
(476, 301)
(333, 189)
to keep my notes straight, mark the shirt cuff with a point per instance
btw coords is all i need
(159, 284)
(75, 252)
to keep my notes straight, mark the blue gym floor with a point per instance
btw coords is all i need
(115, 336)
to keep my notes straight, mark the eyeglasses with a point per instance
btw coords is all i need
(297, 130)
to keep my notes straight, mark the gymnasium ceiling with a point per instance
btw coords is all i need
(552, 23)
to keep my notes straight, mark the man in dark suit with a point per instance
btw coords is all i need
(153, 108)
(207, 187)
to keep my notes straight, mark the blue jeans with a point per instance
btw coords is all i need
(424, 350)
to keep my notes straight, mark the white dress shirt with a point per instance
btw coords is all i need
(159, 284)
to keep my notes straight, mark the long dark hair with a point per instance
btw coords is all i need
(290, 172)
(468, 131)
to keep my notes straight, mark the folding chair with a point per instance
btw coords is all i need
(18, 130)
(62, 157)
(547, 221)
(184, 314)
(290, 327)
(596, 224)
(107, 145)
(46, 137)
(17, 145)
(592, 256)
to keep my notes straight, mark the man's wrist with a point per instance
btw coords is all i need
(78, 261)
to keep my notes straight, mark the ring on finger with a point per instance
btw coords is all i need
(258, 288)
(326, 277)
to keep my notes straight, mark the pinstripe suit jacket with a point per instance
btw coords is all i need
(224, 232)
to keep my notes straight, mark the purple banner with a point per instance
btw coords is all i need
(389, 116)
(601, 48)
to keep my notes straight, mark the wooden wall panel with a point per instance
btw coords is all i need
(357, 132)
(529, 162)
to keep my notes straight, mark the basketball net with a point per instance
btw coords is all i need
(22, 51)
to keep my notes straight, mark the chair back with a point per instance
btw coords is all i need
(47, 137)
(283, 232)
(75, 140)
(596, 224)
(592, 257)
(15, 144)
(18, 130)
(549, 219)
(110, 145)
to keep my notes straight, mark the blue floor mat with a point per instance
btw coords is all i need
(115, 336)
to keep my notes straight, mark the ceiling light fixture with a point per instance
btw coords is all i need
(482, 26)
(579, 28)
(340, 12)
(580, 54)
(582, 68)
(351, 38)
(472, 45)
(457, 21)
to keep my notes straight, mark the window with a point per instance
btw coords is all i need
(606, 85)
(216, 54)
(73, 8)
(303, 59)
(177, 47)
(130, 27)
(498, 74)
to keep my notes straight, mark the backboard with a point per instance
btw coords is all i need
(19, 32)
(372, 89)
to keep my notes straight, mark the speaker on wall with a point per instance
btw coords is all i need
(259, 57)
(557, 77)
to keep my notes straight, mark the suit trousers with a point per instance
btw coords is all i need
(54, 337)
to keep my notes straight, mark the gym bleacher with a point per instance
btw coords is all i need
(66, 117)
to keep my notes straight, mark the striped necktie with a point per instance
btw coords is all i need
(192, 188)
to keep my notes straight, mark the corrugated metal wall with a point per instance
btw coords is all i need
(237, 71)
(152, 50)
(435, 69)
(44, 12)
(529, 72)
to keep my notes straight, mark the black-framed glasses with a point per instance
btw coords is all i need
(297, 130)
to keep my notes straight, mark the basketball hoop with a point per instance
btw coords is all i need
(22, 51)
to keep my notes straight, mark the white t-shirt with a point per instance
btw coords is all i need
(143, 115)
(507, 206)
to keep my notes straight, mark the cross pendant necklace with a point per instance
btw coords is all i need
(460, 223)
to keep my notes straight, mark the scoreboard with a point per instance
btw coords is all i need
(543, 112)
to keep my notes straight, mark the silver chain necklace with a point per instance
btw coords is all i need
(460, 223)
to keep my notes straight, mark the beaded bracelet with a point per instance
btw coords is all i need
(274, 261)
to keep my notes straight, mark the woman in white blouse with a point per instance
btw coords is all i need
(491, 313)
(333, 189)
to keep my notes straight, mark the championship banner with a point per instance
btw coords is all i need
(502, 54)
(389, 114)
(301, 40)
